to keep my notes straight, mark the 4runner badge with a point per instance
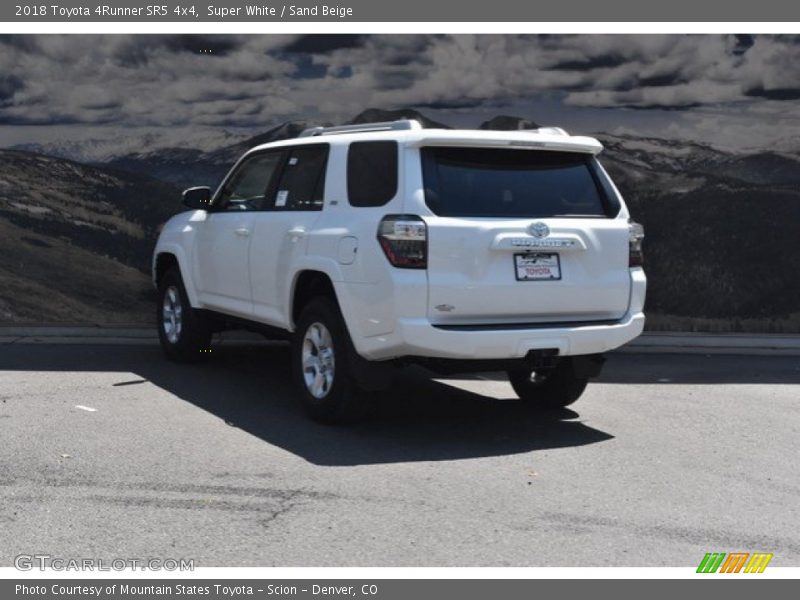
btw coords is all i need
(539, 230)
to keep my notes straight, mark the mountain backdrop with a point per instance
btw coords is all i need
(78, 222)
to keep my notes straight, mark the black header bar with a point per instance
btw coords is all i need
(472, 11)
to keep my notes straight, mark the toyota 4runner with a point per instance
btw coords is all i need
(374, 245)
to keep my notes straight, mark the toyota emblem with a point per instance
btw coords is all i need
(539, 230)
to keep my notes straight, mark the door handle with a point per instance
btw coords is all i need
(242, 231)
(297, 232)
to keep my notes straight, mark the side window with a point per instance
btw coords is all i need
(371, 173)
(247, 187)
(302, 182)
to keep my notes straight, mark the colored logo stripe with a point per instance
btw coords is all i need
(758, 562)
(711, 562)
(734, 562)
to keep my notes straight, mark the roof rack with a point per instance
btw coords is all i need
(399, 125)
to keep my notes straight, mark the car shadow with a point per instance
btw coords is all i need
(248, 387)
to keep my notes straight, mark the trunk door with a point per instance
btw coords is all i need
(489, 271)
(522, 236)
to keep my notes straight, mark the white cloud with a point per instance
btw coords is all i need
(251, 81)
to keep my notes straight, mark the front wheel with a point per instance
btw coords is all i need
(551, 388)
(183, 333)
(322, 359)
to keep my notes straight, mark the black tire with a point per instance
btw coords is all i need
(188, 341)
(338, 398)
(549, 388)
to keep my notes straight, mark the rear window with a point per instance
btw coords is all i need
(489, 182)
(371, 173)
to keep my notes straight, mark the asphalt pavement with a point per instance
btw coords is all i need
(110, 451)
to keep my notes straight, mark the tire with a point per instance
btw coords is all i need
(183, 332)
(550, 388)
(322, 365)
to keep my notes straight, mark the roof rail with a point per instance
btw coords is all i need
(551, 130)
(399, 125)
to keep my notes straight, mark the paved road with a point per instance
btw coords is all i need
(664, 459)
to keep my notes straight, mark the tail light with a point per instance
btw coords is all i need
(404, 239)
(635, 237)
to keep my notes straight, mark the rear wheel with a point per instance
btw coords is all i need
(322, 364)
(183, 332)
(555, 387)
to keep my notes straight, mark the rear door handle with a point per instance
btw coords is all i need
(297, 232)
(242, 231)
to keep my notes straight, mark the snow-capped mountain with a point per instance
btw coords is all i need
(682, 161)
(122, 143)
(199, 166)
(721, 226)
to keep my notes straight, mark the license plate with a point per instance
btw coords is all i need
(537, 267)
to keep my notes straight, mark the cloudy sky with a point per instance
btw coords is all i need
(731, 91)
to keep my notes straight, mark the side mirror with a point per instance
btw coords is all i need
(197, 197)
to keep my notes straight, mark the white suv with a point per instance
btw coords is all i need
(382, 244)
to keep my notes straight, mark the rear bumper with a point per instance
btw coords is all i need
(417, 337)
(409, 335)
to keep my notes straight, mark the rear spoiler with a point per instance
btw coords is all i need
(511, 139)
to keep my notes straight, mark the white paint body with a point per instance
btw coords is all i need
(246, 264)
